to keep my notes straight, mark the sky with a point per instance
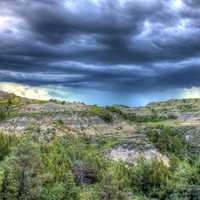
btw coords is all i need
(100, 51)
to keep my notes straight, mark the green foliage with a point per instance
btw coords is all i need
(6, 143)
(90, 193)
(105, 144)
(144, 118)
(102, 113)
(111, 185)
(57, 101)
(155, 180)
(185, 108)
(4, 112)
(10, 101)
(169, 140)
(186, 193)
(150, 178)
(2, 116)
(62, 189)
(7, 109)
(110, 189)
(133, 117)
(75, 168)
(137, 117)
(60, 122)
(114, 109)
(21, 174)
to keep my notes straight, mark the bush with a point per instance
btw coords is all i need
(111, 187)
(150, 178)
(3, 113)
(21, 174)
(6, 143)
(114, 109)
(169, 140)
(102, 113)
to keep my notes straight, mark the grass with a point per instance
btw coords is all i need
(171, 123)
(101, 112)
(103, 143)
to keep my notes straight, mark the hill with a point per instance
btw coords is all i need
(78, 151)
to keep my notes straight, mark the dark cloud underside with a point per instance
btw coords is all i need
(118, 46)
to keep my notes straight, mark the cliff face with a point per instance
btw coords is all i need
(129, 125)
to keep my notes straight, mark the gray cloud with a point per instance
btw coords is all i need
(118, 46)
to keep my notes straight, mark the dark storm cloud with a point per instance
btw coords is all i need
(104, 45)
(193, 3)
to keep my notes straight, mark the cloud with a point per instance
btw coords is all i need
(95, 97)
(119, 46)
(190, 93)
(25, 91)
(39, 92)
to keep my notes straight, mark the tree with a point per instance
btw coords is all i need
(150, 178)
(21, 174)
(110, 187)
(62, 189)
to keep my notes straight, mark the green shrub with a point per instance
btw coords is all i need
(169, 140)
(6, 143)
(114, 109)
(3, 113)
(150, 178)
(21, 174)
(111, 186)
(6, 111)
(102, 113)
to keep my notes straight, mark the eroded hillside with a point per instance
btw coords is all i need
(152, 143)
(49, 118)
